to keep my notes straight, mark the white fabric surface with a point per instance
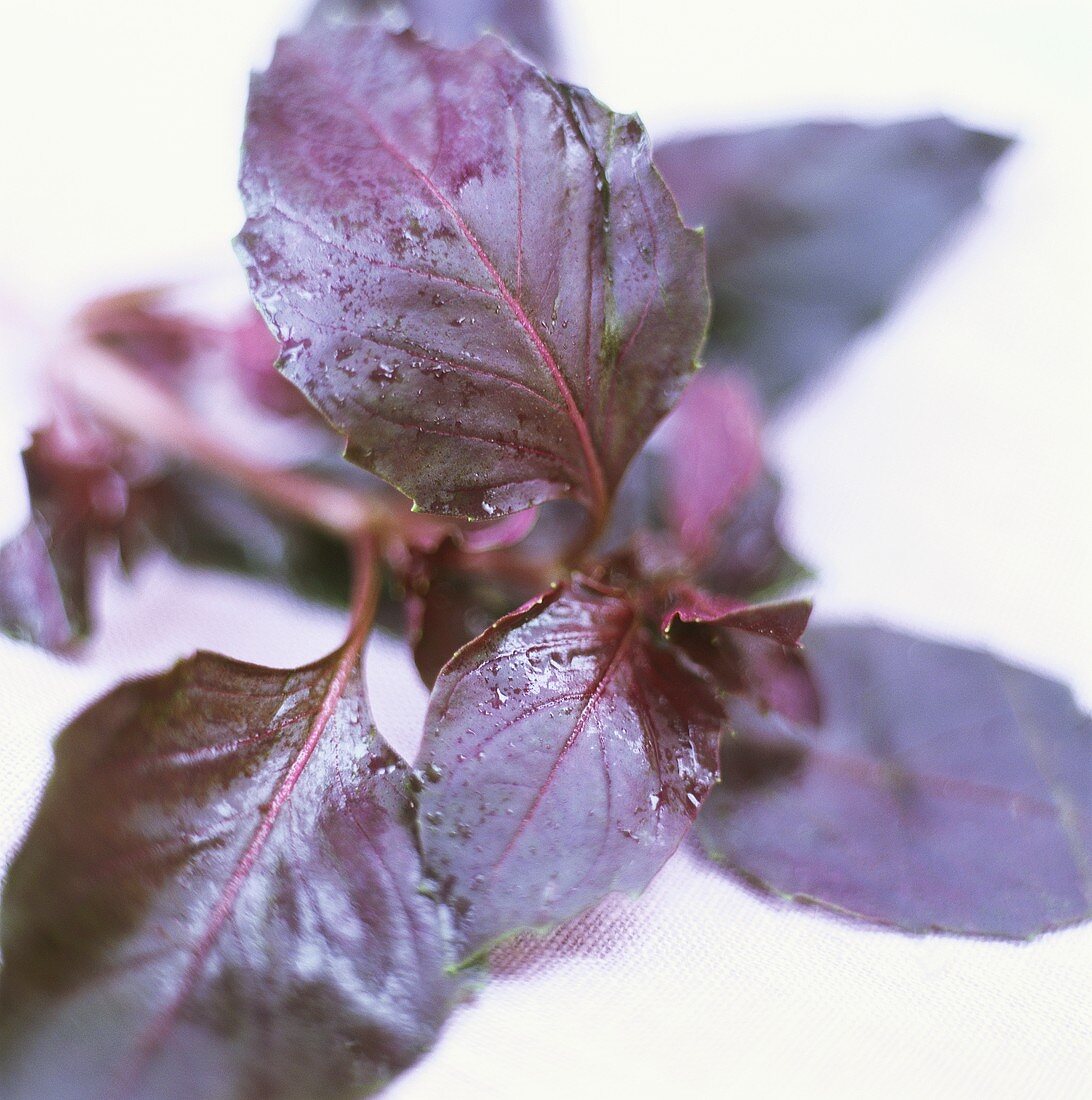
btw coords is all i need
(940, 482)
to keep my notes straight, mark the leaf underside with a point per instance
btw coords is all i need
(475, 272)
(220, 897)
(567, 751)
(944, 791)
(714, 458)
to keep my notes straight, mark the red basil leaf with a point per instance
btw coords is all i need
(568, 751)
(252, 351)
(749, 556)
(945, 791)
(476, 273)
(507, 531)
(78, 499)
(43, 599)
(779, 678)
(814, 229)
(523, 23)
(751, 650)
(455, 609)
(220, 897)
(448, 604)
(714, 458)
(144, 328)
(783, 622)
(698, 498)
(640, 504)
(202, 520)
(94, 499)
(195, 358)
(763, 673)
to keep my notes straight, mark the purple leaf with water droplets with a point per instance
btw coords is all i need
(945, 790)
(567, 751)
(220, 896)
(476, 272)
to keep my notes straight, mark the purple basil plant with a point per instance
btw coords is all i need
(535, 398)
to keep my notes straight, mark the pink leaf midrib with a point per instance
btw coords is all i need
(596, 477)
(157, 1030)
(591, 699)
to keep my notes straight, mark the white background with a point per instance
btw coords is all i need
(940, 481)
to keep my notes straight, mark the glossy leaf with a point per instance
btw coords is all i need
(566, 751)
(945, 791)
(476, 273)
(525, 24)
(815, 228)
(220, 897)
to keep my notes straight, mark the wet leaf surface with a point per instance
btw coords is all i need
(815, 228)
(475, 271)
(566, 752)
(944, 791)
(220, 898)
